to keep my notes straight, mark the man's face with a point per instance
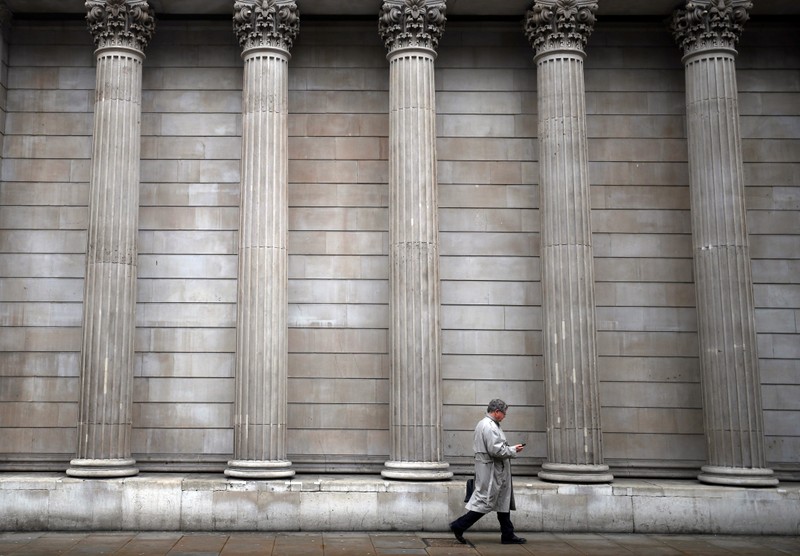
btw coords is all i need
(498, 415)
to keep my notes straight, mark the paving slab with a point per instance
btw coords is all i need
(154, 543)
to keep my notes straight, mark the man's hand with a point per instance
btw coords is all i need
(519, 447)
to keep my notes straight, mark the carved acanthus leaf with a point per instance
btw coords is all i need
(559, 24)
(128, 23)
(266, 23)
(409, 23)
(702, 24)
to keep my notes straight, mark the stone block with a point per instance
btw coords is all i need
(641, 394)
(644, 294)
(151, 504)
(196, 510)
(77, 503)
(372, 171)
(647, 420)
(338, 416)
(211, 365)
(340, 511)
(33, 100)
(322, 171)
(608, 269)
(195, 315)
(280, 510)
(648, 319)
(341, 102)
(354, 365)
(337, 341)
(766, 103)
(192, 101)
(645, 369)
(313, 390)
(183, 415)
(22, 508)
(206, 390)
(510, 268)
(187, 266)
(185, 339)
(466, 148)
(468, 317)
(39, 364)
(651, 446)
(472, 79)
(338, 442)
(176, 443)
(477, 125)
(186, 290)
(208, 171)
(474, 102)
(502, 342)
(40, 314)
(488, 243)
(491, 293)
(502, 367)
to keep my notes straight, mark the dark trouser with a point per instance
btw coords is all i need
(470, 518)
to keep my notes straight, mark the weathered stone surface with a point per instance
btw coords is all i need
(172, 502)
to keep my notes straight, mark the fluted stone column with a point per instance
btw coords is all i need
(707, 31)
(266, 30)
(411, 31)
(5, 31)
(121, 30)
(558, 31)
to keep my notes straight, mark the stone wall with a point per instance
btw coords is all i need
(338, 416)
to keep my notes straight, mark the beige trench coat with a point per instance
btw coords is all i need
(493, 490)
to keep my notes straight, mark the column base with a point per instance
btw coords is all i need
(417, 471)
(575, 473)
(259, 469)
(102, 468)
(737, 476)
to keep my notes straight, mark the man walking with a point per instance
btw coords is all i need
(493, 490)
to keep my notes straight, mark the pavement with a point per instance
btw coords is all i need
(379, 544)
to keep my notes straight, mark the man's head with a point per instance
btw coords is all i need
(497, 409)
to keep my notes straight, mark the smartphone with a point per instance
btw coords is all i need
(523, 444)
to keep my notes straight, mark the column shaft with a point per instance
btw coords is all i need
(262, 306)
(558, 31)
(572, 400)
(416, 400)
(261, 323)
(725, 306)
(416, 433)
(725, 309)
(104, 428)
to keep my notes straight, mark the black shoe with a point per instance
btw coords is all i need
(513, 540)
(459, 534)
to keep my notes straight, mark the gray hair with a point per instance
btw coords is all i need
(497, 405)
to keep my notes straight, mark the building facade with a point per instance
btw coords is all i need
(263, 238)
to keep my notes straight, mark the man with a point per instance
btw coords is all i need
(493, 490)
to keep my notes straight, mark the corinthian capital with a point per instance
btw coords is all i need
(559, 24)
(410, 23)
(266, 23)
(128, 23)
(702, 24)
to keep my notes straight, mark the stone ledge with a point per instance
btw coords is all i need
(211, 502)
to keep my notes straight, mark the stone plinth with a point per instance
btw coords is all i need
(200, 502)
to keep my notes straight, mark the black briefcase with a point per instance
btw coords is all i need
(470, 488)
